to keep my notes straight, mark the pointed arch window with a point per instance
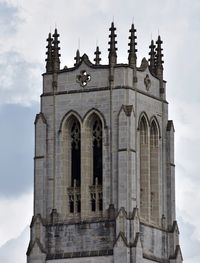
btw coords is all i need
(144, 169)
(97, 152)
(154, 172)
(74, 150)
(97, 164)
(75, 154)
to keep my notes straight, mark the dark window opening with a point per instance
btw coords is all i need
(71, 207)
(97, 153)
(78, 206)
(75, 155)
(93, 202)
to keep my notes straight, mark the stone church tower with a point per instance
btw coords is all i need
(104, 182)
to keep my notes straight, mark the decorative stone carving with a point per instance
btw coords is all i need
(128, 109)
(96, 196)
(83, 78)
(144, 64)
(147, 82)
(75, 134)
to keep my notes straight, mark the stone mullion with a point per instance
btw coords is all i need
(123, 147)
(86, 168)
(97, 199)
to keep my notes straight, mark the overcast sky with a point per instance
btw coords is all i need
(24, 26)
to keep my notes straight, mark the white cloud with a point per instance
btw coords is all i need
(14, 251)
(187, 144)
(16, 215)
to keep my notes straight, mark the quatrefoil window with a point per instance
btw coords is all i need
(83, 78)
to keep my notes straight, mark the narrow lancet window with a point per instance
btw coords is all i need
(97, 152)
(144, 170)
(75, 154)
(154, 172)
(97, 175)
(75, 160)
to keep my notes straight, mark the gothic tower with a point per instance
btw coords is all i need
(104, 181)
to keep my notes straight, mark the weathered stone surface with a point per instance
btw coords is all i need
(138, 168)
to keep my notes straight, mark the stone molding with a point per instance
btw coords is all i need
(92, 253)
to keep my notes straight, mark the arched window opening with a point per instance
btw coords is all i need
(144, 169)
(74, 155)
(143, 131)
(96, 197)
(154, 172)
(97, 152)
(154, 135)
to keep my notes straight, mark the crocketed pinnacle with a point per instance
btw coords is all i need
(56, 48)
(49, 53)
(159, 61)
(77, 57)
(97, 58)
(112, 56)
(152, 58)
(132, 57)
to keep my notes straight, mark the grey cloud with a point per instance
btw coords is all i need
(16, 143)
(9, 19)
(20, 80)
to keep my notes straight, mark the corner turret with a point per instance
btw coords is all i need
(56, 48)
(112, 56)
(132, 57)
(97, 58)
(159, 61)
(152, 59)
(49, 53)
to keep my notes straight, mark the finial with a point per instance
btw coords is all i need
(77, 58)
(132, 57)
(56, 48)
(152, 59)
(159, 61)
(112, 49)
(97, 58)
(49, 53)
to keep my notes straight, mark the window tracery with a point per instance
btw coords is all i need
(144, 168)
(74, 194)
(96, 197)
(154, 172)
